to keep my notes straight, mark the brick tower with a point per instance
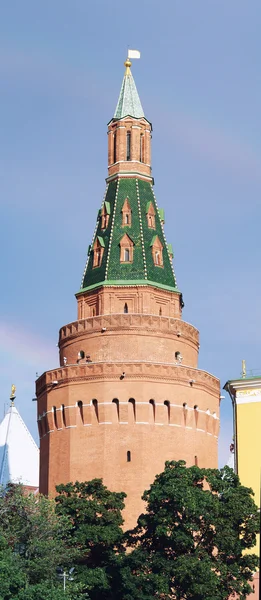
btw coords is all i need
(128, 394)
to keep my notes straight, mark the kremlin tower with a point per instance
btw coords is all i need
(128, 394)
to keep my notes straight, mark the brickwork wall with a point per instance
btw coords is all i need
(136, 127)
(143, 300)
(86, 441)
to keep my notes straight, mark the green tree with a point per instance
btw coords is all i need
(32, 542)
(193, 541)
(96, 534)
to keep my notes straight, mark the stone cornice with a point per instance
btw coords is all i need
(160, 372)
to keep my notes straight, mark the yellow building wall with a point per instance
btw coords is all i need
(249, 448)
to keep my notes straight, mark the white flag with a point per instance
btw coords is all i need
(133, 54)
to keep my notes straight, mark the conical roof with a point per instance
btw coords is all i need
(142, 270)
(19, 455)
(129, 103)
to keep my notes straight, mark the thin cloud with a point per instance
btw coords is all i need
(47, 74)
(217, 145)
(24, 347)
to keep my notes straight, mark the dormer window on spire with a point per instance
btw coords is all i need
(126, 214)
(98, 250)
(126, 249)
(105, 215)
(150, 212)
(157, 254)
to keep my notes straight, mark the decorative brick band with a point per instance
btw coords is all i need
(132, 321)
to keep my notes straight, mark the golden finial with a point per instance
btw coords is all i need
(243, 369)
(12, 397)
(127, 64)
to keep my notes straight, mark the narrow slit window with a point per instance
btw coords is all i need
(125, 310)
(96, 412)
(116, 403)
(114, 148)
(126, 219)
(40, 428)
(80, 407)
(131, 410)
(63, 415)
(128, 154)
(152, 409)
(167, 404)
(157, 258)
(128, 456)
(141, 147)
(55, 417)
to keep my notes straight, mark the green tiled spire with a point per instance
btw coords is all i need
(129, 103)
(141, 270)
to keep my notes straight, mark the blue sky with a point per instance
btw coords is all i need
(61, 67)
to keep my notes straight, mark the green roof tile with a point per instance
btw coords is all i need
(142, 269)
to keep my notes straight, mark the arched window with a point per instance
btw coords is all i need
(114, 147)
(126, 213)
(94, 311)
(152, 410)
(150, 212)
(63, 415)
(80, 407)
(141, 147)
(157, 248)
(128, 151)
(98, 250)
(160, 311)
(40, 428)
(55, 417)
(105, 215)
(126, 255)
(131, 410)
(125, 310)
(116, 403)
(128, 456)
(196, 461)
(167, 404)
(96, 412)
(126, 249)
(196, 414)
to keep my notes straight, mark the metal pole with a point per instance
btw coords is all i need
(64, 581)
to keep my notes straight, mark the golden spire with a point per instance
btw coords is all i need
(127, 64)
(12, 396)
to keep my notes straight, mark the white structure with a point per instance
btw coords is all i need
(19, 455)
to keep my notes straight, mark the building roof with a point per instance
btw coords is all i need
(129, 103)
(142, 271)
(19, 454)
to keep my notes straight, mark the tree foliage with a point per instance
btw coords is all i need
(96, 533)
(193, 542)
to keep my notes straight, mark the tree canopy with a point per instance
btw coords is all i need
(193, 542)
